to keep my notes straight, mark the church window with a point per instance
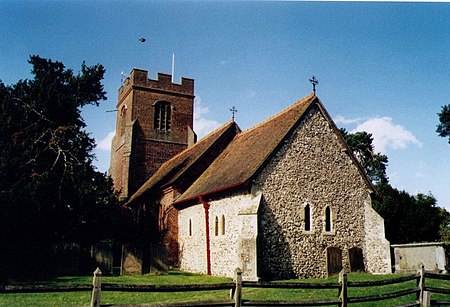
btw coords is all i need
(190, 227)
(307, 211)
(328, 220)
(223, 224)
(216, 227)
(123, 113)
(163, 116)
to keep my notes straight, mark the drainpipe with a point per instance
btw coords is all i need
(208, 248)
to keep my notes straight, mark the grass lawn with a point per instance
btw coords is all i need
(176, 277)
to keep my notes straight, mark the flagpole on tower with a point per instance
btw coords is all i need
(173, 67)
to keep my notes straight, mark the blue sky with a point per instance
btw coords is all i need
(382, 67)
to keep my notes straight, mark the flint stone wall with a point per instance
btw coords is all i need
(377, 247)
(264, 232)
(312, 167)
(192, 246)
(233, 247)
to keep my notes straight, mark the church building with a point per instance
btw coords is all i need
(283, 199)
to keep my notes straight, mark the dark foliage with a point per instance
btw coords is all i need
(373, 163)
(409, 218)
(443, 128)
(50, 191)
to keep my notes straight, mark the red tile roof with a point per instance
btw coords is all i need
(182, 164)
(233, 157)
(248, 151)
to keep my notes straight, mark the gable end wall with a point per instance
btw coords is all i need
(312, 167)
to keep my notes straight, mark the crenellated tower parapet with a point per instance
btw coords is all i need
(139, 78)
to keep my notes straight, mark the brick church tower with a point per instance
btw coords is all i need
(154, 123)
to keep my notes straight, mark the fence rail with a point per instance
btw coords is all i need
(290, 285)
(383, 282)
(330, 302)
(437, 290)
(385, 296)
(166, 288)
(43, 289)
(423, 292)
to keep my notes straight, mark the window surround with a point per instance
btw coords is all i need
(216, 226)
(328, 221)
(190, 227)
(223, 225)
(123, 113)
(307, 213)
(162, 119)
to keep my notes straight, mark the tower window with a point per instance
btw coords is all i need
(163, 116)
(123, 113)
(190, 227)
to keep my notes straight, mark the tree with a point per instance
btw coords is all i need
(50, 190)
(444, 231)
(443, 128)
(409, 218)
(374, 164)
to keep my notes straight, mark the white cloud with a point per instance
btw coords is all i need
(203, 125)
(105, 143)
(387, 135)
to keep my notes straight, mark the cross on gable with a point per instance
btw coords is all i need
(233, 110)
(314, 82)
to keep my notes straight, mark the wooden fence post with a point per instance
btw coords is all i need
(421, 284)
(238, 291)
(426, 299)
(343, 289)
(96, 290)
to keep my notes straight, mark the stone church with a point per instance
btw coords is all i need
(283, 199)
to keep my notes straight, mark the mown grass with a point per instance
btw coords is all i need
(176, 277)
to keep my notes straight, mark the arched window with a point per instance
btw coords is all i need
(123, 113)
(223, 224)
(216, 227)
(190, 227)
(328, 220)
(307, 211)
(163, 116)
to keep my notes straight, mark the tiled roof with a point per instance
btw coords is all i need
(181, 164)
(248, 151)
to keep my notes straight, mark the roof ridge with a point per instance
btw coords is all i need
(285, 110)
(218, 128)
(200, 141)
(144, 187)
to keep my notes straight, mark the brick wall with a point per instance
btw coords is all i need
(138, 150)
(233, 233)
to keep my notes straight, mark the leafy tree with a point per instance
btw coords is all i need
(50, 190)
(444, 230)
(407, 218)
(374, 164)
(410, 218)
(443, 128)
